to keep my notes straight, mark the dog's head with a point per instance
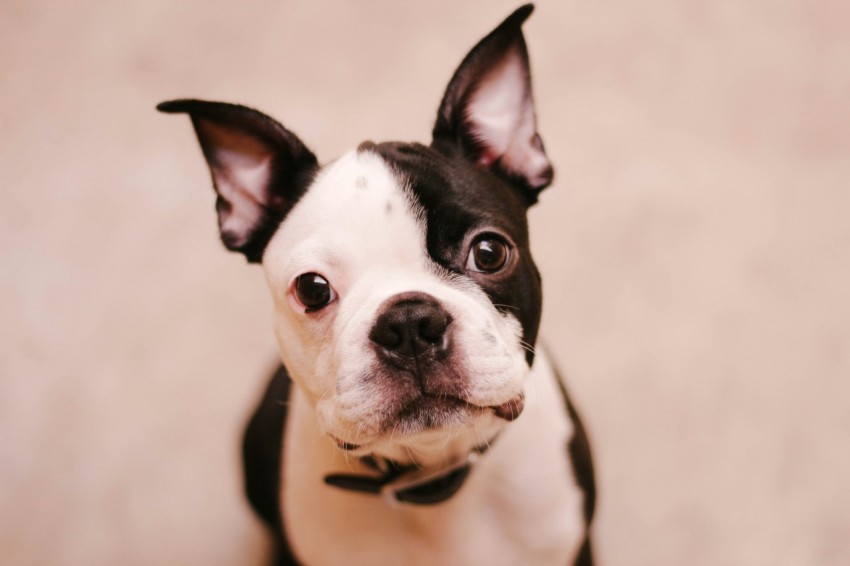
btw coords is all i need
(407, 302)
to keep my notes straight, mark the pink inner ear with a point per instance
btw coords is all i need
(500, 113)
(241, 167)
(496, 106)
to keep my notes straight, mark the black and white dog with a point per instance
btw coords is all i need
(419, 426)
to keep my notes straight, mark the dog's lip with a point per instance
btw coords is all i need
(449, 401)
(343, 445)
(510, 410)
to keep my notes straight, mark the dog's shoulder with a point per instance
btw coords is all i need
(262, 450)
(581, 459)
(580, 454)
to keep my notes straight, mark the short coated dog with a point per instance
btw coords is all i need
(412, 420)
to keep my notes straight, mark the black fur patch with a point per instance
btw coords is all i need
(582, 462)
(262, 449)
(458, 199)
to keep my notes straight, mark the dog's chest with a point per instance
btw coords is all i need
(520, 504)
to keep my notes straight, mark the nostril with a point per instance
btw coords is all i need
(432, 328)
(387, 335)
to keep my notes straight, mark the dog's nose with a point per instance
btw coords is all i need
(409, 325)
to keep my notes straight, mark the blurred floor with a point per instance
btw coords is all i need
(695, 253)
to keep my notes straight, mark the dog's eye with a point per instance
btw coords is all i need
(313, 291)
(489, 253)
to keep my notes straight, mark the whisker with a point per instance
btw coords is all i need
(527, 348)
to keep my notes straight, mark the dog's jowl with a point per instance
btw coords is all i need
(412, 420)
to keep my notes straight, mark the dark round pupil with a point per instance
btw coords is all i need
(490, 254)
(313, 290)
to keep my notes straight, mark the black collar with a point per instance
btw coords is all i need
(409, 483)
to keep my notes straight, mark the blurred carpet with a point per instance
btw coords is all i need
(694, 248)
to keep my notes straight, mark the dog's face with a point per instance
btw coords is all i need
(406, 300)
(404, 295)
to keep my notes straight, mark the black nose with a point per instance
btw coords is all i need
(410, 325)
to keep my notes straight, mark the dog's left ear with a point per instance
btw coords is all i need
(488, 110)
(259, 169)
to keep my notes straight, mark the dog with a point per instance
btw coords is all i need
(412, 419)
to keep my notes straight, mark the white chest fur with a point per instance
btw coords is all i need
(520, 504)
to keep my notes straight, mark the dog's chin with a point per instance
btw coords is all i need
(429, 419)
(432, 413)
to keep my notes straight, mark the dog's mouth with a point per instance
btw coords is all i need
(429, 412)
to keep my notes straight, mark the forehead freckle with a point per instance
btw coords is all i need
(361, 182)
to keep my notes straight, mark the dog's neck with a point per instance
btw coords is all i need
(392, 467)
(410, 483)
(430, 450)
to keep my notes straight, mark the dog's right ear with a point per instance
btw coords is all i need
(488, 110)
(259, 169)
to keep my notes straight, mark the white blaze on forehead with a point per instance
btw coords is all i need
(355, 216)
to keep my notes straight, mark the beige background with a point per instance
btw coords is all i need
(695, 252)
